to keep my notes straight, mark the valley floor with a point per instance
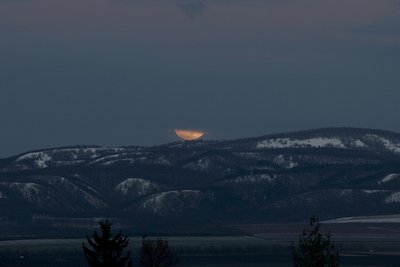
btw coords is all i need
(260, 249)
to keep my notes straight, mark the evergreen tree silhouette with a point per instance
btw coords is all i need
(107, 250)
(315, 249)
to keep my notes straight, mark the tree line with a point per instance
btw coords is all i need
(111, 250)
(314, 249)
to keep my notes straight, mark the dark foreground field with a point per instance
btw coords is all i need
(360, 244)
(208, 251)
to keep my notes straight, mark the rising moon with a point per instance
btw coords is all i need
(189, 135)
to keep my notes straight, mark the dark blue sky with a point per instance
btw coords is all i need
(127, 72)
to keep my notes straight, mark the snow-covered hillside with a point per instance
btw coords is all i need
(367, 141)
(338, 172)
(137, 187)
(301, 143)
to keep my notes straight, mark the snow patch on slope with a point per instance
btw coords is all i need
(253, 179)
(41, 159)
(92, 151)
(373, 191)
(389, 178)
(64, 184)
(140, 186)
(391, 146)
(393, 198)
(173, 201)
(346, 192)
(163, 161)
(37, 193)
(105, 158)
(32, 192)
(388, 144)
(358, 143)
(251, 155)
(285, 162)
(317, 142)
(126, 160)
(64, 156)
(199, 165)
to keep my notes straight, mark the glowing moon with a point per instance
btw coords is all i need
(189, 135)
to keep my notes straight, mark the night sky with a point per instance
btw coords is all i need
(127, 72)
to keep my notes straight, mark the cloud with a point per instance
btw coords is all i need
(192, 8)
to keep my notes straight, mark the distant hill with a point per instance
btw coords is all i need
(335, 172)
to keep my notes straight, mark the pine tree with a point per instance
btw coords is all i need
(315, 249)
(157, 253)
(107, 250)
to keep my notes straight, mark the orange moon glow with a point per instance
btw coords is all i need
(189, 135)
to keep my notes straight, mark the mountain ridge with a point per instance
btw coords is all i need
(332, 172)
(273, 135)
